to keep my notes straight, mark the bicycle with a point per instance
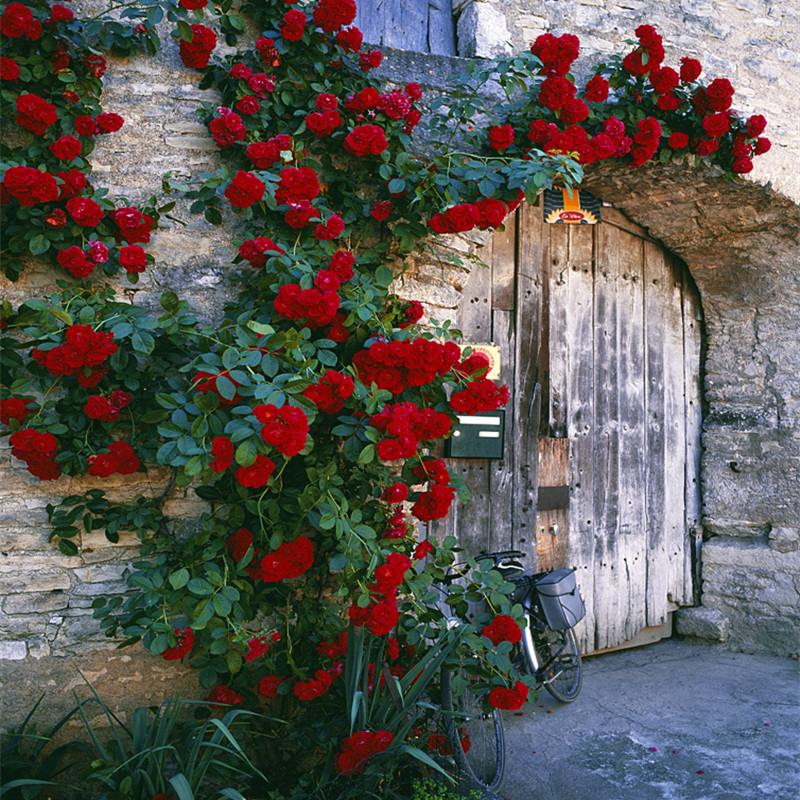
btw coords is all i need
(465, 733)
(553, 606)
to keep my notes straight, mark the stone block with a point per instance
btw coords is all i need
(482, 31)
(784, 540)
(35, 602)
(33, 580)
(702, 623)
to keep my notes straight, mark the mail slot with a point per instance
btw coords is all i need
(478, 435)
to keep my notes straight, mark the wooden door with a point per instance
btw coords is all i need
(600, 336)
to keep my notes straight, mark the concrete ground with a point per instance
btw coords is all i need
(670, 721)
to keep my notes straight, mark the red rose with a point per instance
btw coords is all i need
(257, 474)
(370, 60)
(34, 114)
(555, 91)
(664, 79)
(574, 111)
(297, 183)
(350, 39)
(690, 69)
(492, 212)
(669, 101)
(191, 5)
(510, 699)
(366, 139)
(422, 549)
(133, 226)
(241, 72)
(395, 105)
(501, 137)
(396, 493)
(73, 182)
(109, 123)
(14, 408)
(502, 629)
(342, 264)
(183, 645)
(382, 618)
(308, 690)
(133, 258)
(719, 94)
(331, 15)
(462, 217)
(74, 261)
(678, 140)
(223, 696)
(66, 148)
(258, 250)
(596, 90)
(249, 104)
(332, 228)
(706, 147)
(221, 453)
(284, 428)
(196, 53)
(716, 125)
(268, 685)
(56, 219)
(85, 211)
(85, 125)
(762, 145)
(292, 25)
(323, 123)
(98, 252)
(30, 186)
(556, 53)
(227, 129)
(433, 504)
(18, 21)
(381, 211)
(756, 125)
(742, 165)
(95, 65)
(9, 69)
(244, 190)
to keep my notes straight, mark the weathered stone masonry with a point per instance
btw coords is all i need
(740, 241)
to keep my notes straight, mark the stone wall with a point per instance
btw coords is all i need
(739, 239)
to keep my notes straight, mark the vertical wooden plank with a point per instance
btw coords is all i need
(501, 471)
(655, 296)
(526, 404)
(611, 596)
(580, 413)
(692, 351)
(472, 523)
(406, 24)
(632, 475)
(676, 533)
(554, 404)
(504, 245)
(552, 525)
(370, 20)
(441, 28)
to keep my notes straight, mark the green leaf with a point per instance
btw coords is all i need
(62, 315)
(185, 31)
(39, 244)
(180, 578)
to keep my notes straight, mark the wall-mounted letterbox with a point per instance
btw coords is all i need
(477, 435)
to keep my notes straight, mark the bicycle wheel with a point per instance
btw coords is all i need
(476, 736)
(558, 653)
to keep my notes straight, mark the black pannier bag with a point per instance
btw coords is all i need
(561, 600)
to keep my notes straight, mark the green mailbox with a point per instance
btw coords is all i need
(478, 435)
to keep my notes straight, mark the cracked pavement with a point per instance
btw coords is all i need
(671, 721)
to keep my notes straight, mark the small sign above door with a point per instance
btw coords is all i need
(571, 208)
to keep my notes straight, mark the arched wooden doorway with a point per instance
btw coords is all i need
(599, 330)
